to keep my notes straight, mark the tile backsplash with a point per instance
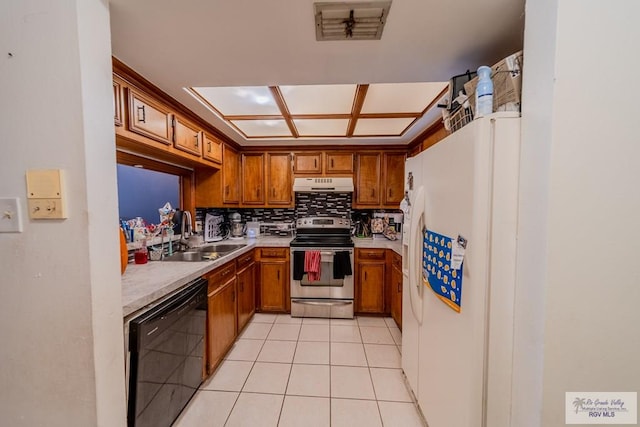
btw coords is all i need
(323, 204)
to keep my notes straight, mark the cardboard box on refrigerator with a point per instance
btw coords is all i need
(507, 84)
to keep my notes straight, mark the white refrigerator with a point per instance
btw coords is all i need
(459, 364)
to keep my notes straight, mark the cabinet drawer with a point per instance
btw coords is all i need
(244, 260)
(370, 254)
(273, 252)
(187, 137)
(221, 275)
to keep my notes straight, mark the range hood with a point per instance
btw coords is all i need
(323, 185)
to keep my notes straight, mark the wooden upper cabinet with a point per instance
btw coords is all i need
(211, 148)
(367, 179)
(253, 179)
(149, 118)
(279, 185)
(117, 103)
(338, 163)
(187, 137)
(307, 163)
(230, 175)
(393, 179)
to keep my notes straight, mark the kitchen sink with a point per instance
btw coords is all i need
(205, 253)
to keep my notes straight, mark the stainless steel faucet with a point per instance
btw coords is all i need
(185, 229)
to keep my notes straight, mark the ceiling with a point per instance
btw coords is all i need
(216, 43)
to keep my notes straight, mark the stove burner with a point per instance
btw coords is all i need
(322, 241)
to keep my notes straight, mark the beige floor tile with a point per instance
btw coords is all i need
(372, 321)
(309, 352)
(210, 408)
(305, 411)
(351, 382)
(382, 356)
(343, 333)
(344, 322)
(245, 350)
(277, 351)
(396, 335)
(389, 385)
(314, 333)
(374, 335)
(268, 378)
(230, 376)
(256, 331)
(255, 409)
(397, 414)
(284, 332)
(354, 413)
(263, 318)
(309, 380)
(348, 354)
(315, 321)
(286, 318)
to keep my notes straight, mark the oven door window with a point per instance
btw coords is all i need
(326, 274)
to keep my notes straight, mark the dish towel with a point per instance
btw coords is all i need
(312, 265)
(341, 265)
(298, 265)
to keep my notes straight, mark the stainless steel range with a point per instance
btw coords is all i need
(322, 268)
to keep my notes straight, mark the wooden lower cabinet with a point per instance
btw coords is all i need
(395, 285)
(221, 321)
(370, 281)
(246, 289)
(273, 280)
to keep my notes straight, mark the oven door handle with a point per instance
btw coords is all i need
(313, 302)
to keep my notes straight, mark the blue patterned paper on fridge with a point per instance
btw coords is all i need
(445, 281)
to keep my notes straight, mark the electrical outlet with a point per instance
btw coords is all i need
(46, 209)
(10, 218)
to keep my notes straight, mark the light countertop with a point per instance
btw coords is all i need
(144, 285)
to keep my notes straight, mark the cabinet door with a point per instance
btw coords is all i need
(393, 178)
(230, 175)
(396, 296)
(368, 179)
(279, 186)
(211, 148)
(221, 322)
(273, 276)
(246, 295)
(307, 163)
(253, 178)
(149, 118)
(370, 287)
(187, 137)
(339, 163)
(117, 103)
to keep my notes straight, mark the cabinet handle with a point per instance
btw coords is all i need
(365, 276)
(208, 146)
(278, 274)
(315, 163)
(273, 191)
(399, 287)
(144, 116)
(197, 141)
(331, 163)
(257, 192)
(390, 192)
(373, 192)
(226, 190)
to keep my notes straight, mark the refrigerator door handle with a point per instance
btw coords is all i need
(415, 254)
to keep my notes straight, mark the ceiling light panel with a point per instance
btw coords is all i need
(263, 128)
(321, 127)
(319, 99)
(400, 97)
(381, 127)
(240, 101)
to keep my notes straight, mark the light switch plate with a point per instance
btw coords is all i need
(10, 217)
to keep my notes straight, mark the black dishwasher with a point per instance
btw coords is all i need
(167, 347)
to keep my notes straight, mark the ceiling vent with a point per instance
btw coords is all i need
(351, 21)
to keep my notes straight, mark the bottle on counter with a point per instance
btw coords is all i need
(484, 92)
(141, 256)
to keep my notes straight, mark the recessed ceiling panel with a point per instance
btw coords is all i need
(263, 128)
(381, 127)
(319, 99)
(401, 97)
(321, 127)
(240, 101)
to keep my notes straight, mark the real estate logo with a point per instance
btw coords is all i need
(601, 407)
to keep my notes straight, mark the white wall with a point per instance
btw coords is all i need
(580, 131)
(61, 360)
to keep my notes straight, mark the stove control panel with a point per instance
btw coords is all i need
(323, 222)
